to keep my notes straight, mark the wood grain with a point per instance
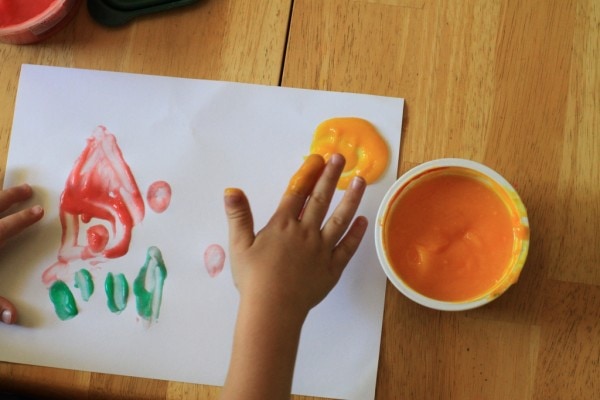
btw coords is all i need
(512, 84)
(232, 40)
(224, 40)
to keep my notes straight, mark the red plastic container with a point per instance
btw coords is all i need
(31, 21)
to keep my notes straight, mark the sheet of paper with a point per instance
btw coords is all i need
(200, 137)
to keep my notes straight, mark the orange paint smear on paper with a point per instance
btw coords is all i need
(451, 236)
(365, 150)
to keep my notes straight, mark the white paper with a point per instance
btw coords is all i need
(201, 137)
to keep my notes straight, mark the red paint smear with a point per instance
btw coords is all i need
(97, 237)
(14, 12)
(214, 259)
(100, 186)
(159, 196)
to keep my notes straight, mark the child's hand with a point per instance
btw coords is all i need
(283, 271)
(295, 260)
(10, 225)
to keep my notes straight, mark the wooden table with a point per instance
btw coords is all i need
(512, 84)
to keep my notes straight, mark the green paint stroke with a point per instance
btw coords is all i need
(63, 300)
(117, 292)
(85, 283)
(148, 286)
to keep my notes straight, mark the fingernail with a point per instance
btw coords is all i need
(25, 187)
(336, 158)
(362, 222)
(357, 183)
(233, 196)
(37, 210)
(6, 316)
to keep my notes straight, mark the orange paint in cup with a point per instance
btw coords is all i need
(452, 234)
(31, 21)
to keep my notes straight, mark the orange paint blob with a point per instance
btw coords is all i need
(365, 150)
(451, 235)
(306, 177)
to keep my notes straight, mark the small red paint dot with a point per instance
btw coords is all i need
(97, 237)
(159, 196)
(214, 260)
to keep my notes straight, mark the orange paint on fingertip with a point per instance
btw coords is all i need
(233, 196)
(365, 150)
(306, 177)
(452, 234)
(232, 192)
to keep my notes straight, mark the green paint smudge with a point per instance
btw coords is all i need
(117, 292)
(148, 286)
(63, 300)
(84, 282)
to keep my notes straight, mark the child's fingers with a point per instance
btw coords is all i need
(239, 218)
(343, 214)
(15, 223)
(300, 187)
(14, 195)
(346, 248)
(320, 198)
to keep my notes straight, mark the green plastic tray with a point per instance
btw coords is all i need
(120, 12)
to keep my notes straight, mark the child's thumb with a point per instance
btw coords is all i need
(239, 218)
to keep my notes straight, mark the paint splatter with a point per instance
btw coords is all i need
(63, 300)
(85, 283)
(97, 238)
(159, 196)
(214, 259)
(99, 207)
(365, 150)
(100, 188)
(148, 286)
(117, 292)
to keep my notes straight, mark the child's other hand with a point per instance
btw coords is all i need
(11, 224)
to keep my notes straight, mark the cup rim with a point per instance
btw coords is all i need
(420, 170)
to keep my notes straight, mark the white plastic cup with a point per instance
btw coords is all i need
(487, 176)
